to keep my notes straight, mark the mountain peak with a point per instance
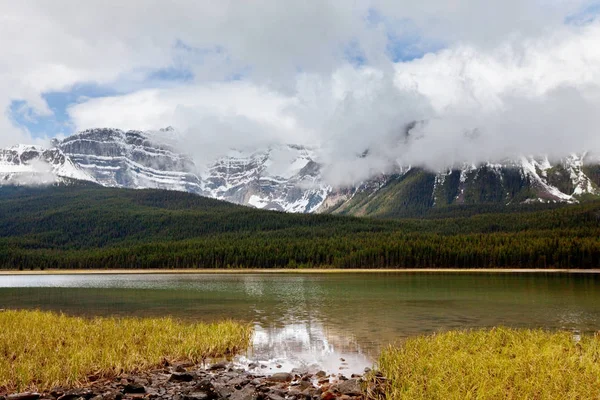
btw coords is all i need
(288, 177)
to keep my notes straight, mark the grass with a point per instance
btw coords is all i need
(492, 364)
(41, 350)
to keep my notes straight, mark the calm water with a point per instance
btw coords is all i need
(320, 318)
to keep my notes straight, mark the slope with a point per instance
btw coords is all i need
(94, 227)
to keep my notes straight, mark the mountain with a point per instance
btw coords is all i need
(33, 165)
(289, 177)
(414, 191)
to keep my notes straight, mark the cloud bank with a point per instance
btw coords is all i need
(398, 83)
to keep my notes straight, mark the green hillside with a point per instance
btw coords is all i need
(93, 227)
(421, 193)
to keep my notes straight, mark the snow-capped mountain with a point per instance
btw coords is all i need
(33, 165)
(130, 160)
(288, 177)
(282, 178)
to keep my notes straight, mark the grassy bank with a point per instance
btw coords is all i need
(40, 350)
(493, 364)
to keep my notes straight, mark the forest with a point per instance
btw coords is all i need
(88, 227)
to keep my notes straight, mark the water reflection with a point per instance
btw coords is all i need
(306, 345)
(311, 318)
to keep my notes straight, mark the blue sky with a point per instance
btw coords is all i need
(59, 123)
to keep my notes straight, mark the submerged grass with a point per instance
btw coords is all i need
(40, 350)
(499, 363)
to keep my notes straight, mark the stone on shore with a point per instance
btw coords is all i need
(24, 396)
(212, 383)
(350, 387)
(281, 377)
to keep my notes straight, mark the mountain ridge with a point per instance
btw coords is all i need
(290, 177)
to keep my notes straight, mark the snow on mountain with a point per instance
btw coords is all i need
(284, 178)
(33, 165)
(288, 177)
(130, 160)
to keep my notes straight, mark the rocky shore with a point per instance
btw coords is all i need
(217, 381)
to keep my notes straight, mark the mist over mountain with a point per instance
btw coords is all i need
(298, 178)
(482, 86)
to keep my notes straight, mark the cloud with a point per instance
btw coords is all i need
(489, 80)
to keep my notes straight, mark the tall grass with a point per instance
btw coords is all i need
(493, 364)
(41, 350)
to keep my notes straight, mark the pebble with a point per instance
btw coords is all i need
(24, 396)
(280, 377)
(218, 381)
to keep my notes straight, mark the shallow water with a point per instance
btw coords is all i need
(322, 318)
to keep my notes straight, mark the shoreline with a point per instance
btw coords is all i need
(221, 380)
(295, 271)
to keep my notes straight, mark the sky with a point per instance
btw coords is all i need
(431, 83)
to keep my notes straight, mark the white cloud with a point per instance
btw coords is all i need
(512, 71)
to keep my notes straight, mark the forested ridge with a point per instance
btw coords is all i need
(89, 227)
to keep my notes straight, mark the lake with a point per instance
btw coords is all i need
(324, 318)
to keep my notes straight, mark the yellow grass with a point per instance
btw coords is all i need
(493, 364)
(41, 350)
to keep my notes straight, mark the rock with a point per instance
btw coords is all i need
(134, 388)
(247, 393)
(351, 387)
(281, 377)
(256, 382)
(181, 377)
(207, 387)
(77, 394)
(310, 392)
(323, 381)
(223, 390)
(239, 382)
(218, 366)
(303, 385)
(195, 396)
(367, 370)
(328, 396)
(321, 374)
(179, 368)
(112, 396)
(23, 396)
(275, 396)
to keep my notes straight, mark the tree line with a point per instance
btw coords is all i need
(99, 228)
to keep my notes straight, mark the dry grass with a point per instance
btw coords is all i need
(493, 364)
(41, 350)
